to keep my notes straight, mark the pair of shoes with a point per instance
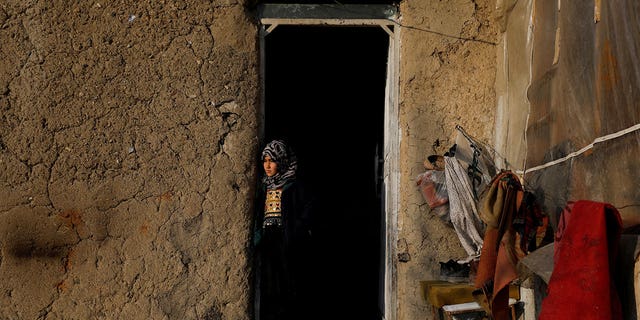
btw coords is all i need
(453, 271)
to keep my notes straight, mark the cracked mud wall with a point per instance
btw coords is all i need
(128, 131)
(448, 70)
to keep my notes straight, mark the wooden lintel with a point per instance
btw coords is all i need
(353, 22)
(328, 11)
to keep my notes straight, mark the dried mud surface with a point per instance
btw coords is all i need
(447, 78)
(126, 150)
(127, 137)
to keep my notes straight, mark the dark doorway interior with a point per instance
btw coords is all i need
(325, 91)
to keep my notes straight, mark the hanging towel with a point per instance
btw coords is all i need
(585, 248)
(463, 209)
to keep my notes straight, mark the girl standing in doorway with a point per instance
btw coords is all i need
(282, 237)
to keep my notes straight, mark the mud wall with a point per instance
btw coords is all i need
(127, 136)
(127, 139)
(448, 70)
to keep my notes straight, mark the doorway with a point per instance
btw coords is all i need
(324, 93)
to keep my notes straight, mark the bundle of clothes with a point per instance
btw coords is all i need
(498, 223)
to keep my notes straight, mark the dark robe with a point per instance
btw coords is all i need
(284, 256)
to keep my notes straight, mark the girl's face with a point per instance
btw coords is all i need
(270, 166)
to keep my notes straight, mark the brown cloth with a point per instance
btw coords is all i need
(500, 254)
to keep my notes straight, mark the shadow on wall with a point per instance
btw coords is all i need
(37, 236)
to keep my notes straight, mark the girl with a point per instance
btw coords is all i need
(282, 236)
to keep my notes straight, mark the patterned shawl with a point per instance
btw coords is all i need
(287, 164)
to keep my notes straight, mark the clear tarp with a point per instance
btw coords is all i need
(581, 126)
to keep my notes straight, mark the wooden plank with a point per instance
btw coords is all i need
(307, 21)
(327, 11)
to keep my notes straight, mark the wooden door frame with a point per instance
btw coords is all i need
(385, 16)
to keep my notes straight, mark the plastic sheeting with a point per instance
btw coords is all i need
(584, 103)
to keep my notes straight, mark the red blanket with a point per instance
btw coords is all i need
(585, 248)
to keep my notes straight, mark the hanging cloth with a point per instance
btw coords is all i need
(463, 209)
(585, 249)
(497, 266)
